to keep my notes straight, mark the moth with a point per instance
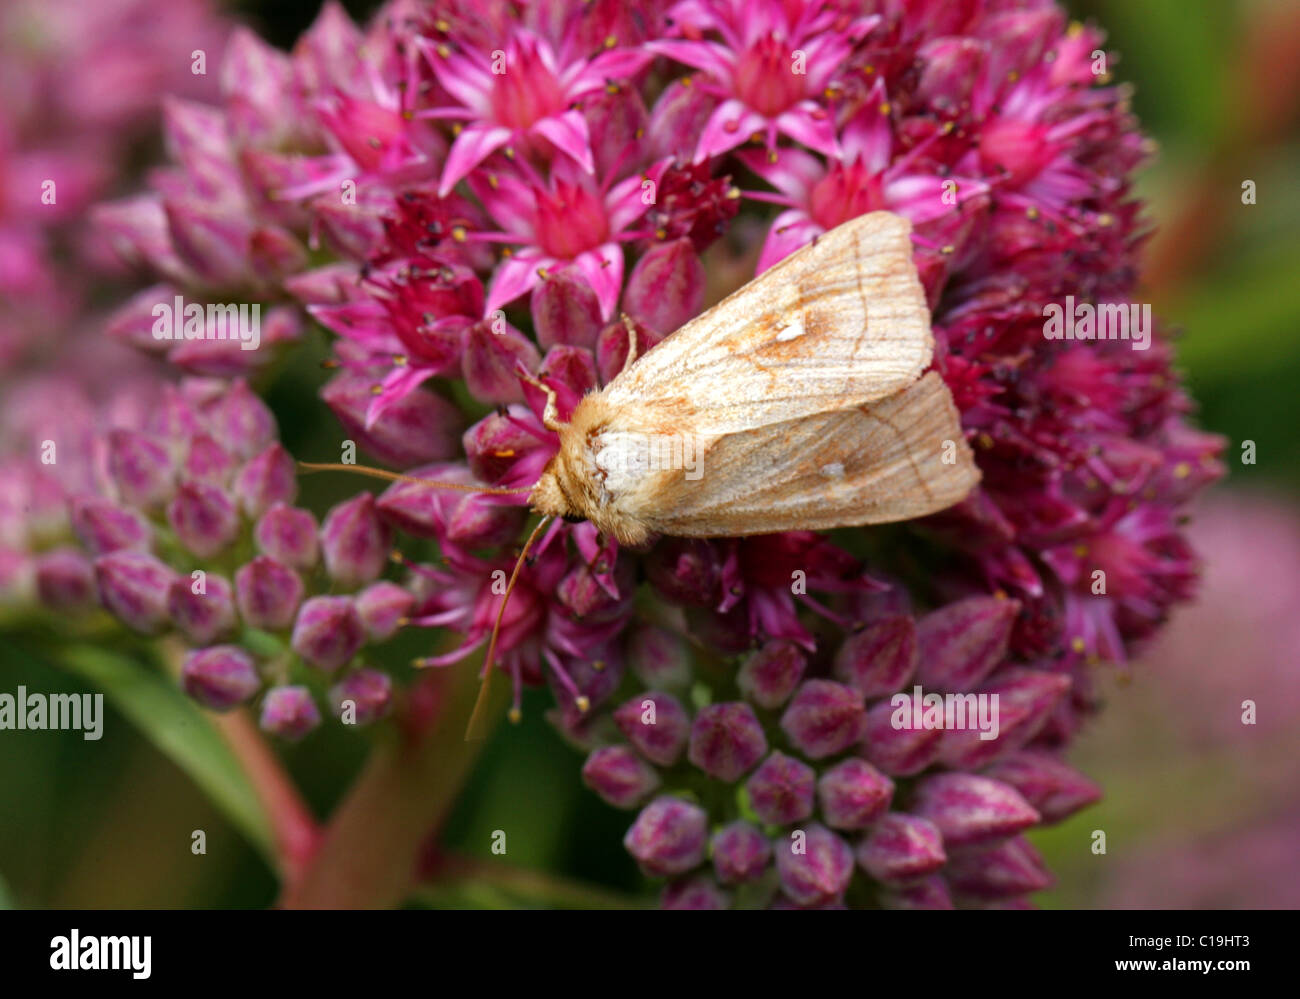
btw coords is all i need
(797, 403)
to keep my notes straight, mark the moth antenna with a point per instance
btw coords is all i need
(631, 341)
(472, 730)
(551, 414)
(381, 473)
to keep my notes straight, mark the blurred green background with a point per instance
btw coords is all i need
(1198, 807)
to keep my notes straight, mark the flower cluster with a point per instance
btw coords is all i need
(477, 198)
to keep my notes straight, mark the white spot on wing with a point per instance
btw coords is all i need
(835, 470)
(793, 328)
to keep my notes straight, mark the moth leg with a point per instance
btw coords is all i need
(551, 414)
(631, 341)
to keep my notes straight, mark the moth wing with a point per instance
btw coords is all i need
(841, 322)
(870, 464)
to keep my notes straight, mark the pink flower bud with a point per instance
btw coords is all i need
(103, 527)
(133, 587)
(666, 287)
(289, 712)
(824, 718)
(962, 643)
(1025, 700)
(1055, 789)
(668, 837)
(354, 541)
(220, 677)
(241, 422)
(853, 794)
(656, 724)
(814, 865)
(740, 853)
(901, 847)
(901, 752)
(566, 310)
(971, 810)
(265, 480)
(140, 468)
(491, 359)
(726, 740)
(204, 519)
(202, 617)
(781, 789)
(383, 606)
(328, 632)
(65, 579)
(418, 428)
(659, 658)
(268, 594)
(698, 894)
(619, 776)
(1002, 871)
(362, 697)
(880, 658)
(684, 571)
(769, 676)
(288, 535)
(207, 461)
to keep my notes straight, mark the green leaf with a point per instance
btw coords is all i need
(180, 730)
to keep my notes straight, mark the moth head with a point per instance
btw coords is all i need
(547, 497)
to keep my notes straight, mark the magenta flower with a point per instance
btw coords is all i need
(769, 68)
(519, 95)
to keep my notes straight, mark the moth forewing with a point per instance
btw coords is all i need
(895, 459)
(839, 323)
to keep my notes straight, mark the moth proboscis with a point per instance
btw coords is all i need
(797, 403)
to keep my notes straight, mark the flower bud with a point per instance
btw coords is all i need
(726, 740)
(928, 893)
(853, 794)
(619, 776)
(141, 469)
(1025, 699)
(668, 837)
(207, 461)
(133, 587)
(418, 428)
(566, 311)
(740, 852)
(220, 677)
(202, 617)
(781, 789)
(698, 893)
(475, 521)
(65, 579)
(355, 542)
(361, 697)
(204, 519)
(962, 643)
(901, 847)
(656, 724)
(880, 658)
(383, 606)
(266, 480)
(684, 571)
(328, 632)
(289, 712)
(490, 362)
(824, 718)
(666, 288)
(1002, 871)
(814, 865)
(971, 810)
(268, 594)
(241, 422)
(660, 658)
(898, 751)
(769, 676)
(1053, 788)
(102, 527)
(288, 535)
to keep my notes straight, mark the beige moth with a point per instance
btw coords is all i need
(797, 403)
